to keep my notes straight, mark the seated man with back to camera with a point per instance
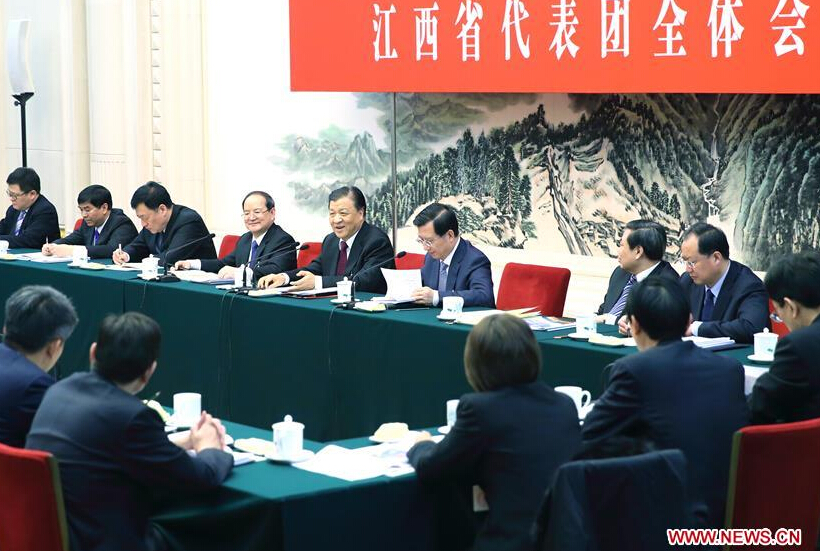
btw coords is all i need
(112, 449)
(103, 229)
(452, 265)
(265, 248)
(355, 250)
(169, 231)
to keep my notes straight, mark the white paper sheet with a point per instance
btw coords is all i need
(127, 267)
(200, 276)
(709, 342)
(41, 258)
(400, 285)
(752, 372)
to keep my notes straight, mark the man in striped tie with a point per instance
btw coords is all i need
(31, 220)
(640, 256)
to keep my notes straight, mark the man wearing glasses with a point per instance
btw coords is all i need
(31, 220)
(102, 230)
(727, 299)
(355, 250)
(266, 248)
(790, 390)
(452, 266)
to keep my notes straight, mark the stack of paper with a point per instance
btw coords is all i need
(40, 257)
(400, 285)
(545, 323)
(200, 276)
(472, 318)
(706, 342)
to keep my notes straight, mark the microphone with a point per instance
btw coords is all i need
(352, 302)
(273, 254)
(168, 277)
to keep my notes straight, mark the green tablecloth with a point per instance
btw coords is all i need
(342, 373)
(270, 507)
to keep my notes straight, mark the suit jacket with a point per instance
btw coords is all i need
(741, 308)
(184, 226)
(371, 248)
(677, 395)
(118, 230)
(509, 442)
(620, 277)
(22, 386)
(276, 239)
(790, 390)
(113, 453)
(39, 224)
(468, 276)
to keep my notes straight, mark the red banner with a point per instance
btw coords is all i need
(761, 46)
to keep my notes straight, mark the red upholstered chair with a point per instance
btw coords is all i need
(410, 261)
(228, 245)
(32, 514)
(306, 256)
(774, 481)
(78, 223)
(524, 285)
(779, 328)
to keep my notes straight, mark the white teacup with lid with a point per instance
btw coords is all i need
(765, 343)
(288, 438)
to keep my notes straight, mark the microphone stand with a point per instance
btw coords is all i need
(168, 277)
(349, 305)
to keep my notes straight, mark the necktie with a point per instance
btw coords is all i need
(708, 306)
(158, 242)
(96, 237)
(19, 226)
(341, 265)
(254, 247)
(618, 308)
(442, 277)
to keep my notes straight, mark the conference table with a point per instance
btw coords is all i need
(254, 360)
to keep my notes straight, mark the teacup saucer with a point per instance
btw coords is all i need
(340, 301)
(578, 337)
(304, 455)
(761, 359)
(447, 317)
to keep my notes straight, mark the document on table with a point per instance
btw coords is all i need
(201, 276)
(127, 267)
(40, 257)
(710, 342)
(549, 323)
(400, 285)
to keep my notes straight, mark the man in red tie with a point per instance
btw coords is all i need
(355, 249)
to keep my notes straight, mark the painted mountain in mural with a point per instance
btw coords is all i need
(748, 163)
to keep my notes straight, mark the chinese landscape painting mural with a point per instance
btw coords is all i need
(564, 173)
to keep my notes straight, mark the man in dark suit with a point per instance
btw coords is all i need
(112, 449)
(452, 265)
(673, 394)
(31, 220)
(170, 232)
(104, 228)
(790, 390)
(509, 437)
(38, 322)
(355, 250)
(266, 248)
(640, 256)
(725, 297)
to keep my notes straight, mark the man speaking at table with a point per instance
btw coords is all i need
(452, 265)
(266, 248)
(112, 449)
(726, 298)
(103, 229)
(31, 220)
(166, 228)
(355, 249)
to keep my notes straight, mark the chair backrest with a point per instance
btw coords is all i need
(524, 285)
(306, 256)
(78, 223)
(32, 515)
(410, 261)
(778, 327)
(617, 503)
(774, 480)
(228, 245)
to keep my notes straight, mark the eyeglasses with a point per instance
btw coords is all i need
(14, 196)
(775, 318)
(426, 243)
(687, 263)
(254, 212)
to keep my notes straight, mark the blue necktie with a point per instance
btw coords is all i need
(96, 237)
(442, 277)
(708, 306)
(158, 242)
(619, 305)
(254, 247)
(19, 226)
